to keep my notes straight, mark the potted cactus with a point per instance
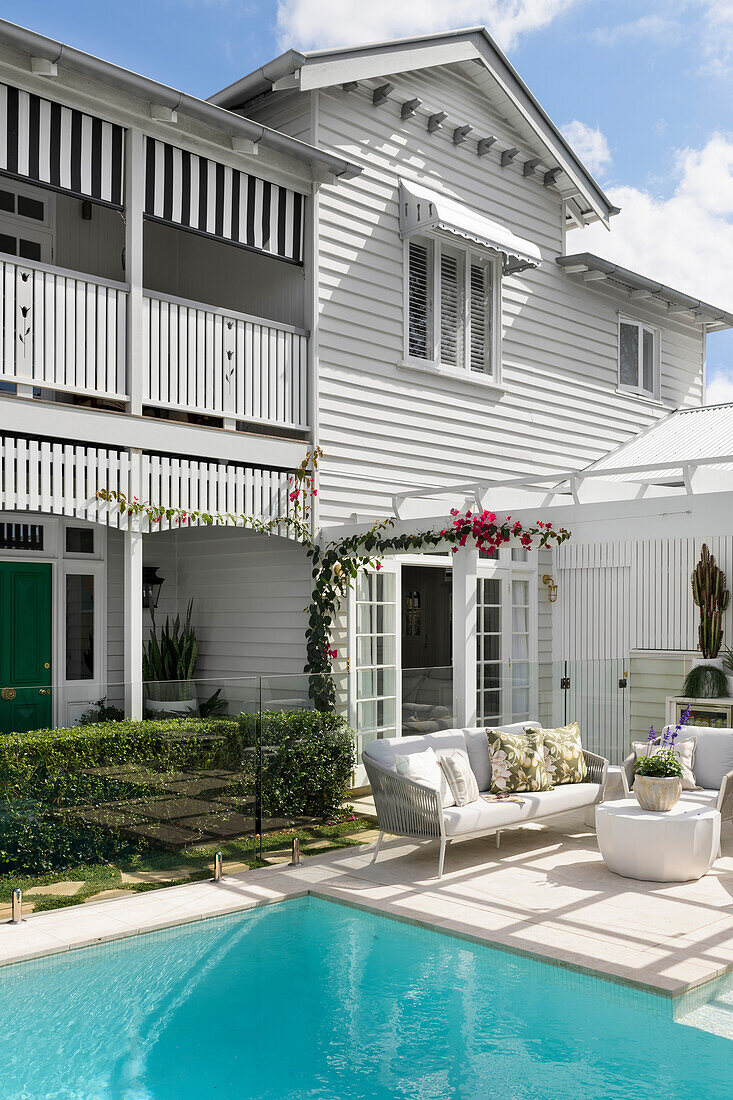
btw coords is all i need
(707, 678)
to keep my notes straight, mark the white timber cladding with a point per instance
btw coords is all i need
(200, 359)
(63, 479)
(622, 596)
(384, 427)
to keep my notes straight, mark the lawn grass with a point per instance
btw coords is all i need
(198, 863)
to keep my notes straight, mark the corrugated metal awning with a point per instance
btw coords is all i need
(422, 210)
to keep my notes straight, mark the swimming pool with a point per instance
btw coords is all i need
(312, 999)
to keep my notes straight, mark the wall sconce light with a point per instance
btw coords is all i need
(151, 586)
(551, 588)
(86, 211)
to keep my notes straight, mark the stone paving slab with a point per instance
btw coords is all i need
(57, 889)
(545, 892)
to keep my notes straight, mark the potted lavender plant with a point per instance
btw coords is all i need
(658, 774)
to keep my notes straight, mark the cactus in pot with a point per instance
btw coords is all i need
(711, 596)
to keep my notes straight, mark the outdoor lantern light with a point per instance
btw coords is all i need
(151, 585)
(551, 588)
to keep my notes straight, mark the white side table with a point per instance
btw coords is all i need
(676, 846)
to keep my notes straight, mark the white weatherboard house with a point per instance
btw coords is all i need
(371, 250)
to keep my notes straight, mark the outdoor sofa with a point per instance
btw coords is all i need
(712, 765)
(411, 809)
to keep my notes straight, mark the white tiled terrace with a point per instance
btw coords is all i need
(545, 892)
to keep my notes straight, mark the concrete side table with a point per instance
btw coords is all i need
(676, 846)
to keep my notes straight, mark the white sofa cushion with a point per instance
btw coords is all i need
(458, 772)
(703, 798)
(384, 750)
(713, 754)
(424, 767)
(483, 816)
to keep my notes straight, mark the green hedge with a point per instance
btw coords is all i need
(307, 761)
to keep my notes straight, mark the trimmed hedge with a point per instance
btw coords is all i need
(46, 776)
(307, 761)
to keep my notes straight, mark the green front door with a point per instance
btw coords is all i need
(25, 646)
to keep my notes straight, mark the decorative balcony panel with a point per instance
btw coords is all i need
(205, 360)
(61, 147)
(62, 331)
(57, 477)
(203, 195)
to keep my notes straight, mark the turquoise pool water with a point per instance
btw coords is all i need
(313, 999)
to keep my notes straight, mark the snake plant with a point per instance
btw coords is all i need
(170, 659)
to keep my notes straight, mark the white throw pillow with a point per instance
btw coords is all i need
(423, 767)
(686, 750)
(459, 773)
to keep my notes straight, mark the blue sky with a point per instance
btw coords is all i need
(645, 89)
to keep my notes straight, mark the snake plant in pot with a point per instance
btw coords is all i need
(169, 667)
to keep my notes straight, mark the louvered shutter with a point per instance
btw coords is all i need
(480, 317)
(452, 308)
(420, 332)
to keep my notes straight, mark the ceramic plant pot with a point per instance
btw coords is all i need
(658, 794)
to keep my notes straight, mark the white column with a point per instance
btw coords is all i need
(465, 569)
(133, 601)
(134, 206)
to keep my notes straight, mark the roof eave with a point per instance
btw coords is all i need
(68, 57)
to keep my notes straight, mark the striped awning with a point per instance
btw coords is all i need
(60, 146)
(206, 197)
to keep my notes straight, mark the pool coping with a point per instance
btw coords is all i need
(55, 932)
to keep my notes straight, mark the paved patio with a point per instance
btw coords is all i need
(545, 891)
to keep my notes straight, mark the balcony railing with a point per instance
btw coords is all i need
(61, 331)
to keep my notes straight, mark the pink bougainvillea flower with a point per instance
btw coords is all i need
(379, 566)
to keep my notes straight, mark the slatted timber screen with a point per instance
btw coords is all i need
(62, 332)
(61, 478)
(220, 363)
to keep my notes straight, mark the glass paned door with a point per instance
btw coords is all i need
(375, 654)
(505, 642)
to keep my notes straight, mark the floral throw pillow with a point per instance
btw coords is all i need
(563, 753)
(517, 764)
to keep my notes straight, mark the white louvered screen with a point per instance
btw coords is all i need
(479, 311)
(420, 330)
(452, 308)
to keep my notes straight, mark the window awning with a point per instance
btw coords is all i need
(422, 209)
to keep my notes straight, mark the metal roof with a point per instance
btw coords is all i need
(581, 263)
(67, 57)
(308, 69)
(687, 437)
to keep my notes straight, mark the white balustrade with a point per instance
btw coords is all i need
(62, 331)
(215, 362)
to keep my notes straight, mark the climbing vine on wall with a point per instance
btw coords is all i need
(336, 565)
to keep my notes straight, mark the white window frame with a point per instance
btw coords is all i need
(15, 225)
(641, 326)
(493, 372)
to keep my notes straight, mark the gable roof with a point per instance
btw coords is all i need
(473, 47)
(640, 287)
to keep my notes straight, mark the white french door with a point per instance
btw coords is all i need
(374, 656)
(506, 666)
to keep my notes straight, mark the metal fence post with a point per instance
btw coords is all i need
(17, 907)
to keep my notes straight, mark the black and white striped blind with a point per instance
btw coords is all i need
(60, 146)
(182, 188)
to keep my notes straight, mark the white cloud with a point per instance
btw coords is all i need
(590, 145)
(647, 26)
(717, 37)
(720, 388)
(322, 23)
(684, 240)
